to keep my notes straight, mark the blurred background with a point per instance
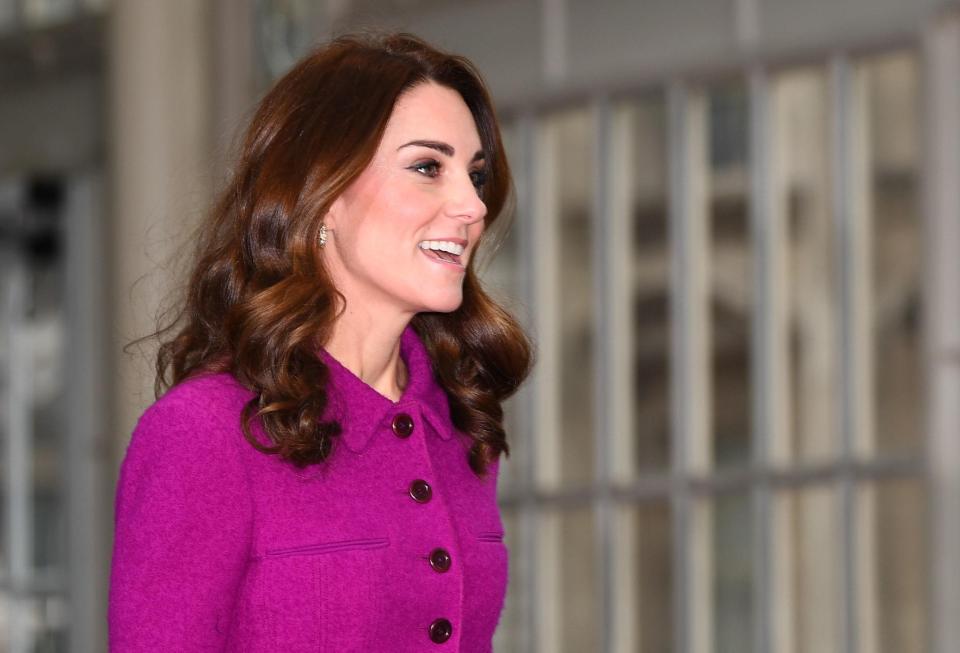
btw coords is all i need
(737, 246)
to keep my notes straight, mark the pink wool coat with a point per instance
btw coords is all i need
(394, 545)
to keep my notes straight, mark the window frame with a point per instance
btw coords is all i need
(681, 486)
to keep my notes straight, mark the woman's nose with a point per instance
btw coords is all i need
(464, 202)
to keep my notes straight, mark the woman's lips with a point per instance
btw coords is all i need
(436, 258)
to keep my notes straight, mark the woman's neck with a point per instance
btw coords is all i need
(371, 350)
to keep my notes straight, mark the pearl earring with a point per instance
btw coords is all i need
(323, 234)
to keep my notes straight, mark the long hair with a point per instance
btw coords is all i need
(259, 301)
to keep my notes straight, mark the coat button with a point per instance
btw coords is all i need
(420, 491)
(440, 630)
(402, 425)
(440, 560)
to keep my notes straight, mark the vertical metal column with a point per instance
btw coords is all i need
(608, 295)
(545, 450)
(763, 348)
(88, 508)
(526, 233)
(619, 173)
(19, 402)
(679, 501)
(840, 93)
(689, 394)
(941, 170)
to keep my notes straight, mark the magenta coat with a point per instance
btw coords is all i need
(394, 545)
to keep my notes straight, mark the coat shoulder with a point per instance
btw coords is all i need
(214, 392)
(204, 409)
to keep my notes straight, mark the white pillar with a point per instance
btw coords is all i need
(160, 99)
(180, 84)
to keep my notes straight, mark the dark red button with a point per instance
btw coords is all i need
(440, 631)
(420, 491)
(440, 560)
(402, 425)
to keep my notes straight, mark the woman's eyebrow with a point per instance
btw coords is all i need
(443, 148)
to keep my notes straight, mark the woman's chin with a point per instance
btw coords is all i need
(443, 304)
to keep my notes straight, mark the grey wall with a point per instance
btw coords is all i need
(529, 49)
(53, 124)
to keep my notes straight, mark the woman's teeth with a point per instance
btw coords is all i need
(443, 246)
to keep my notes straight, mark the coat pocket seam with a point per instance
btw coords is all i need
(328, 547)
(490, 537)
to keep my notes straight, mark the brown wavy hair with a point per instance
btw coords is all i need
(259, 301)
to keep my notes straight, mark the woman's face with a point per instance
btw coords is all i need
(419, 196)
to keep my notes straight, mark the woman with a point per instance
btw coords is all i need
(322, 473)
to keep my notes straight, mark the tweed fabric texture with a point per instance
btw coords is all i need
(219, 547)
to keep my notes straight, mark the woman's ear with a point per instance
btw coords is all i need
(333, 213)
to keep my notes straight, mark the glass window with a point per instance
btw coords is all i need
(500, 264)
(643, 582)
(729, 273)
(800, 550)
(893, 579)
(568, 581)
(504, 276)
(566, 169)
(731, 562)
(639, 146)
(513, 631)
(806, 286)
(285, 29)
(888, 108)
(8, 14)
(41, 13)
(32, 401)
(808, 571)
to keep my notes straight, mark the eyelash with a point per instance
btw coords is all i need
(478, 177)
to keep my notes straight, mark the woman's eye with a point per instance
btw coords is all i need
(479, 179)
(428, 168)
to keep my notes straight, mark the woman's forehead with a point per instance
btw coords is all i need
(432, 112)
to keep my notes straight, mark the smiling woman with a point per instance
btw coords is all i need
(319, 470)
(404, 230)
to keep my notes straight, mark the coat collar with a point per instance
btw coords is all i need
(362, 410)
